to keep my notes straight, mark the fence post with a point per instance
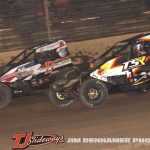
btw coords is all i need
(48, 22)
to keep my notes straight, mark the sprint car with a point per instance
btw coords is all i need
(34, 69)
(126, 65)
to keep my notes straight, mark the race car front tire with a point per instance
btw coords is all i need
(57, 98)
(5, 95)
(93, 93)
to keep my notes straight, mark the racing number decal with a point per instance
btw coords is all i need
(48, 63)
(131, 64)
(134, 63)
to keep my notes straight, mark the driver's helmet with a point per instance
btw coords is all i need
(62, 52)
(139, 48)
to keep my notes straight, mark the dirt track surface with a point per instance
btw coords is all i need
(122, 116)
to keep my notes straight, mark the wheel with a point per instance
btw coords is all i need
(5, 95)
(93, 93)
(61, 99)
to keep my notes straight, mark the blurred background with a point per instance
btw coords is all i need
(25, 23)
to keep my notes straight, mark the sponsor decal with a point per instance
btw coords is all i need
(9, 77)
(49, 66)
(24, 73)
(24, 140)
(48, 47)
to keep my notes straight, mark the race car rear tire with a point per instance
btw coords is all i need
(93, 93)
(57, 98)
(5, 95)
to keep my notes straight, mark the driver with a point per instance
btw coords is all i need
(139, 49)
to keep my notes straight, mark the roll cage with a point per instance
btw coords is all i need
(122, 48)
(27, 55)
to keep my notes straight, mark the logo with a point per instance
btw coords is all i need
(24, 140)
